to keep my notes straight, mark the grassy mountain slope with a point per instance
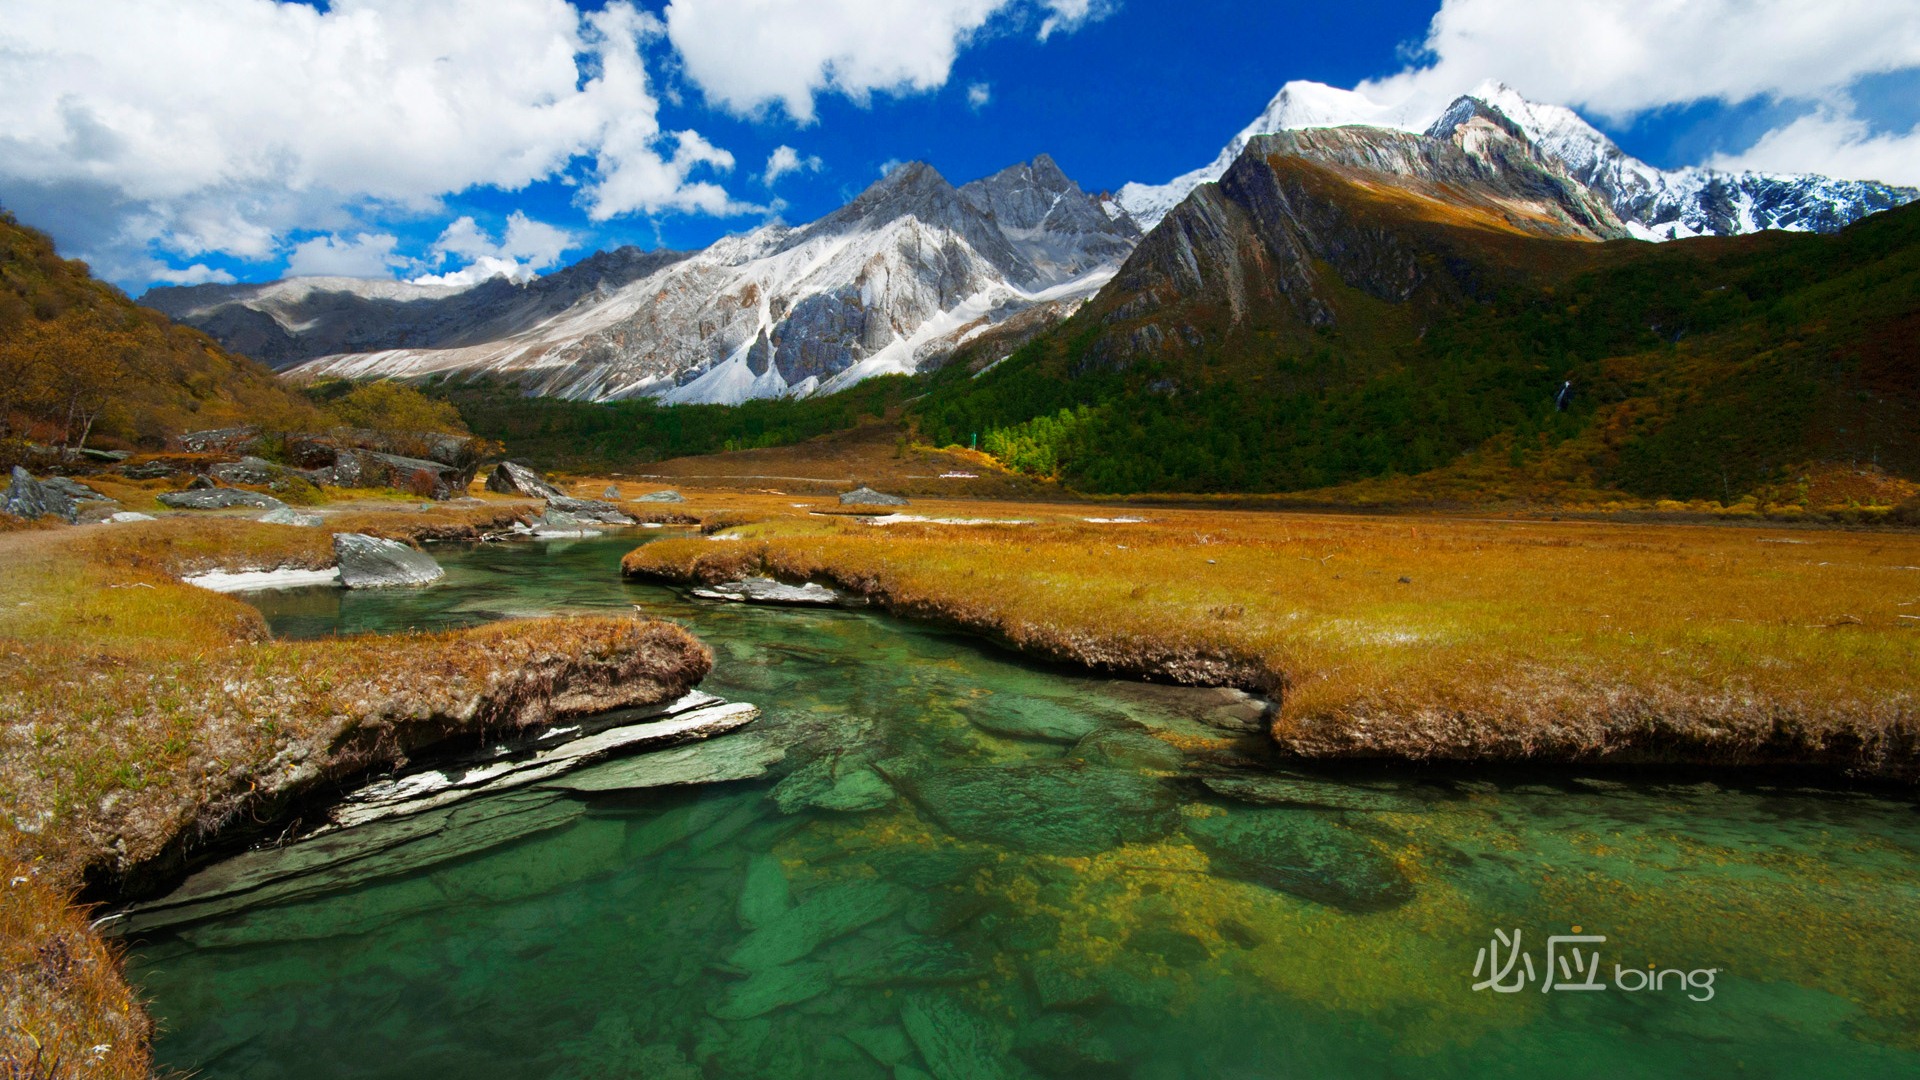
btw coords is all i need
(1401, 333)
(75, 351)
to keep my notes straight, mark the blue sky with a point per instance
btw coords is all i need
(239, 139)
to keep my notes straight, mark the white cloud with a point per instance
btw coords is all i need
(978, 95)
(223, 125)
(1836, 144)
(367, 255)
(748, 55)
(784, 161)
(1619, 58)
(197, 274)
(526, 248)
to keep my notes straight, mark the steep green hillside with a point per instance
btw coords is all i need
(78, 359)
(1699, 369)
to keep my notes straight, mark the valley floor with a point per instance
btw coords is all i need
(1419, 637)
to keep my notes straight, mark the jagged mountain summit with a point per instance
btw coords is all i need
(901, 275)
(1654, 204)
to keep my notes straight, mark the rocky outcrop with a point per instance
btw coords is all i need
(866, 496)
(286, 515)
(219, 498)
(661, 497)
(248, 470)
(31, 500)
(368, 562)
(513, 478)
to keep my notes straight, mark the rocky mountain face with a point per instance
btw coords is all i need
(891, 281)
(1305, 221)
(1654, 204)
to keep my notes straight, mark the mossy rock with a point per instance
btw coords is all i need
(1048, 807)
(1302, 854)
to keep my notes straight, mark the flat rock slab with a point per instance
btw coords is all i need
(604, 513)
(74, 489)
(1302, 854)
(834, 781)
(661, 497)
(736, 757)
(761, 590)
(1050, 807)
(826, 914)
(1052, 719)
(368, 562)
(1308, 792)
(219, 498)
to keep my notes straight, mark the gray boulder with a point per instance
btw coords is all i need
(589, 510)
(612, 492)
(74, 489)
(760, 590)
(128, 517)
(287, 515)
(866, 496)
(30, 499)
(219, 498)
(368, 562)
(509, 478)
(233, 440)
(662, 497)
(248, 470)
(149, 470)
(201, 483)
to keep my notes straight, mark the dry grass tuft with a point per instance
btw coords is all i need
(1510, 640)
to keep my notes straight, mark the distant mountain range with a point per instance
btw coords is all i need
(914, 268)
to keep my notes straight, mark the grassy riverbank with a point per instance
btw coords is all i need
(141, 717)
(1414, 637)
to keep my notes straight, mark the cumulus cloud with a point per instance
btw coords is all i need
(366, 255)
(785, 161)
(524, 249)
(221, 126)
(749, 55)
(1619, 59)
(1835, 143)
(978, 95)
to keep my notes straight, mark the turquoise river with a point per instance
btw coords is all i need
(968, 865)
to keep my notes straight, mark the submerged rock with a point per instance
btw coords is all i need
(219, 498)
(866, 496)
(1049, 718)
(287, 515)
(1302, 854)
(1127, 748)
(509, 478)
(368, 562)
(1052, 807)
(30, 499)
(761, 590)
(956, 1042)
(771, 989)
(833, 781)
(661, 497)
(737, 757)
(1308, 792)
(826, 914)
(1066, 1045)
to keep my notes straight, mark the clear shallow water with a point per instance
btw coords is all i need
(971, 866)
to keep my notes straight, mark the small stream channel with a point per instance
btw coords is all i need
(973, 866)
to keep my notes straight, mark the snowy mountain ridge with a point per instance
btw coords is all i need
(1654, 204)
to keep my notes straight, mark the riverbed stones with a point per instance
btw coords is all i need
(219, 498)
(30, 499)
(1128, 748)
(369, 562)
(828, 913)
(1049, 807)
(661, 497)
(841, 781)
(866, 496)
(1261, 790)
(764, 590)
(771, 989)
(512, 478)
(1302, 854)
(1062, 1044)
(956, 1042)
(1050, 719)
